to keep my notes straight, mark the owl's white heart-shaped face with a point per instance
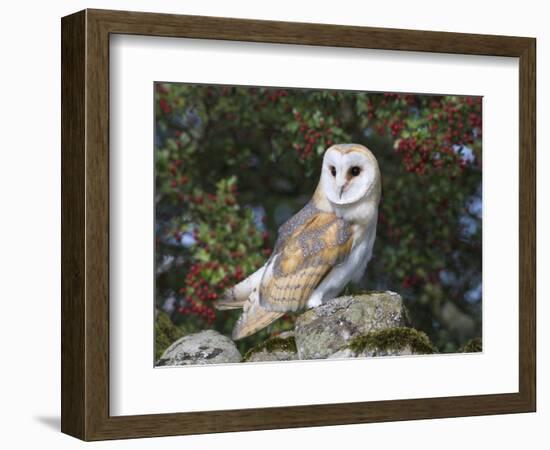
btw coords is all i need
(349, 172)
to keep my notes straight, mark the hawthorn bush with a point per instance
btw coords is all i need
(233, 163)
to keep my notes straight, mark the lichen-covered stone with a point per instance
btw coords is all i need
(320, 332)
(278, 348)
(206, 347)
(390, 342)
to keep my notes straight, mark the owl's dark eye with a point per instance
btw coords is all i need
(333, 171)
(355, 171)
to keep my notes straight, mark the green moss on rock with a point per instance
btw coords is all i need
(273, 344)
(393, 339)
(165, 333)
(473, 346)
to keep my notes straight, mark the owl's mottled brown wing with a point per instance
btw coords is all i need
(302, 261)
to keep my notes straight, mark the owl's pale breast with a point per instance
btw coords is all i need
(351, 269)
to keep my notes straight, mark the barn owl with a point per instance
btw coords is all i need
(318, 251)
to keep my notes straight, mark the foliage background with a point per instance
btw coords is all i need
(233, 163)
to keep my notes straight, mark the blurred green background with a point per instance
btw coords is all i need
(233, 163)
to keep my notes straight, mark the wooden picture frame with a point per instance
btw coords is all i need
(85, 224)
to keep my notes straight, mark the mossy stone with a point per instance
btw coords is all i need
(322, 331)
(392, 341)
(273, 349)
(473, 346)
(165, 333)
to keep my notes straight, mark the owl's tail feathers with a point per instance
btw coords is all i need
(229, 301)
(238, 295)
(253, 319)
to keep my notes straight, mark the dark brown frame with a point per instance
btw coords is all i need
(85, 224)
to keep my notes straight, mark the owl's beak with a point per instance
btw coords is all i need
(342, 190)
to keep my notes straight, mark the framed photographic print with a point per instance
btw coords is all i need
(271, 224)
